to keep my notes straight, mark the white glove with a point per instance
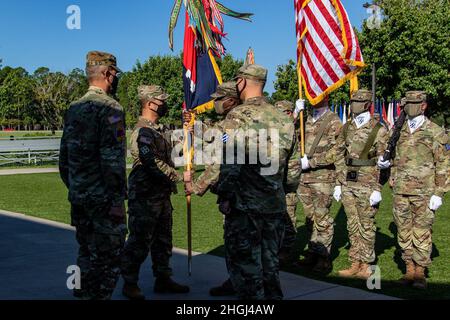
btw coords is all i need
(435, 203)
(375, 198)
(299, 107)
(383, 164)
(337, 193)
(305, 163)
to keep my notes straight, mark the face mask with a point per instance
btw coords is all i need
(358, 108)
(162, 110)
(413, 110)
(218, 106)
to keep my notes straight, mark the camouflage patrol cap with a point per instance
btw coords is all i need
(98, 58)
(253, 72)
(285, 106)
(360, 99)
(147, 93)
(362, 96)
(227, 89)
(415, 97)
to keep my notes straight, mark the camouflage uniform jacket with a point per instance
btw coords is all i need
(247, 186)
(210, 176)
(93, 150)
(422, 161)
(351, 145)
(322, 169)
(154, 175)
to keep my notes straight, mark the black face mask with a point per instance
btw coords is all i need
(162, 110)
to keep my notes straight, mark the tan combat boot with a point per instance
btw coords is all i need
(132, 292)
(364, 272)
(409, 277)
(420, 280)
(350, 273)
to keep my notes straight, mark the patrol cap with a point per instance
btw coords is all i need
(98, 58)
(361, 97)
(226, 89)
(147, 93)
(253, 72)
(415, 97)
(285, 106)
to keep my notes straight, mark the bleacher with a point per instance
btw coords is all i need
(28, 151)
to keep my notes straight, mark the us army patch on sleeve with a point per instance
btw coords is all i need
(114, 119)
(145, 140)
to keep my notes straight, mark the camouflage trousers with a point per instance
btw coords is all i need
(101, 241)
(316, 199)
(150, 225)
(360, 224)
(290, 235)
(414, 221)
(252, 244)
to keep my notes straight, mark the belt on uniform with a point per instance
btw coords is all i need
(360, 163)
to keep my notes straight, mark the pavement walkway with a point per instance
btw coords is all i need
(35, 254)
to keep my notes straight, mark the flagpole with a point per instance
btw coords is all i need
(188, 152)
(302, 122)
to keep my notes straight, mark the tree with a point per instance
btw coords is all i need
(167, 72)
(16, 95)
(411, 51)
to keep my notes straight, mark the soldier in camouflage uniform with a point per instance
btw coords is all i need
(358, 147)
(317, 184)
(252, 196)
(93, 167)
(225, 100)
(286, 253)
(151, 183)
(419, 177)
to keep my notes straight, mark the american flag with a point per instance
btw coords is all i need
(328, 50)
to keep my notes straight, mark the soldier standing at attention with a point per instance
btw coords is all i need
(294, 167)
(93, 167)
(317, 185)
(419, 177)
(151, 184)
(252, 195)
(360, 144)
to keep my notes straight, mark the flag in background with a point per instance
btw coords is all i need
(204, 31)
(328, 50)
(201, 75)
(250, 58)
(390, 115)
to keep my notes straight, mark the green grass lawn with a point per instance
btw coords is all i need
(45, 196)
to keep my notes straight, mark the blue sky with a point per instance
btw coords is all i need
(33, 33)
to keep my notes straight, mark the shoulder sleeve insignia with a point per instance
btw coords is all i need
(145, 140)
(447, 147)
(115, 119)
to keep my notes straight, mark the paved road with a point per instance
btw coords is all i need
(35, 253)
